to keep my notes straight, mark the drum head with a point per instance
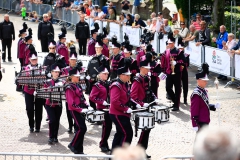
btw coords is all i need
(99, 112)
(144, 114)
(93, 65)
(160, 107)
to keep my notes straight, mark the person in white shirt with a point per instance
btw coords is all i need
(149, 22)
(184, 30)
(100, 14)
(152, 27)
(159, 21)
(230, 43)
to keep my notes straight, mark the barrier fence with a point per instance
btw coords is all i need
(43, 156)
(183, 157)
(219, 60)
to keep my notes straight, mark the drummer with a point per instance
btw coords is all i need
(65, 72)
(140, 94)
(62, 48)
(21, 44)
(105, 50)
(99, 95)
(120, 110)
(29, 46)
(53, 108)
(78, 108)
(34, 106)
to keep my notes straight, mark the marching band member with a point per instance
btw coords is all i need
(105, 50)
(103, 60)
(99, 95)
(120, 110)
(200, 107)
(78, 107)
(171, 62)
(53, 57)
(92, 41)
(61, 47)
(141, 52)
(134, 67)
(21, 44)
(29, 46)
(34, 106)
(184, 78)
(141, 93)
(53, 108)
(65, 72)
(116, 60)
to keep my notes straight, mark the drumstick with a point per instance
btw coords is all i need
(140, 109)
(151, 103)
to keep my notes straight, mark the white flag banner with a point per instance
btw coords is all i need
(195, 53)
(133, 34)
(163, 44)
(237, 66)
(218, 60)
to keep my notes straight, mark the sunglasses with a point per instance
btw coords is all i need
(51, 48)
(45, 17)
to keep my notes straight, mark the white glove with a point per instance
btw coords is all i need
(173, 63)
(149, 74)
(195, 129)
(105, 103)
(157, 100)
(162, 76)
(88, 77)
(129, 110)
(85, 110)
(138, 106)
(34, 93)
(90, 109)
(217, 106)
(137, 74)
(49, 75)
(145, 105)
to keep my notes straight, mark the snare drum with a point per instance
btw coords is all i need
(144, 120)
(95, 116)
(161, 113)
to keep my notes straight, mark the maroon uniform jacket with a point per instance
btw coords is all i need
(99, 94)
(140, 54)
(177, 55)
(75, 98)
(200, 107)
(26, 88)
(26, 55)
(21, 48)
(91, 47)
(119, 96)
(105, 50)
(63, 50)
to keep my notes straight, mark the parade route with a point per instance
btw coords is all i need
(175, 137)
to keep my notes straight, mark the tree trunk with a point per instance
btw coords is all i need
(158, 6)
(218, 15)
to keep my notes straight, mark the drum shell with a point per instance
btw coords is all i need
(96, 116)
(161, 113)
(145, 121)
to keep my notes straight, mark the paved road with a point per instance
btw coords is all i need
(170, 138)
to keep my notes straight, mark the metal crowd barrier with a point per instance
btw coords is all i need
(6, 4)
(183, 157)
(1, 4)
(43, 156)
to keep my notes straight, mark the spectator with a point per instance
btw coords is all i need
(111, 18)
(153, 15)
(222, 39)
(97, 2)
(87, 10)
(136, 4)
(50, 19)
(7, 35)
(35, 18)
(50, 2)
(204, 35)
(165, 28)
(100, 14)
(215, 144)
(122, 19)
(152, 27)
(184, 30)
(230, 43)
(31, 15)
(125, 7)
(90, 4)
(66, 4)
(193, 36)
(197, 22)
(149, 22)
(110, 6)
(81, 9)
(129, 153)
(129, 21)
(138, 22)
(23, 10)
(59, 5)
(77, 2)
(159, 21)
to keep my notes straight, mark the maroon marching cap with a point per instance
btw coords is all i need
(102, 69)
(98, 45)
(52, 44)
(55, 68)
(74, 72)
(144, 62)
(33, 56)
(73, 55)
(116, 45)
(180, 46)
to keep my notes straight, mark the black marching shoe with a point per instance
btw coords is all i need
(55, 140)
(4, 60)
(175, 109)
(50, 141)
(37, 130)
(104, 149)
(185, 101)
(9, 60)
(148, 156)
(73, 149)
(31, 130)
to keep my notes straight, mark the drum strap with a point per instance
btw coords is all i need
(136, 121)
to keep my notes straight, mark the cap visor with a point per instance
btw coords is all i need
(73, 58)
(76, 75)
(204, 79)
(127, 73)
(147, 67)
